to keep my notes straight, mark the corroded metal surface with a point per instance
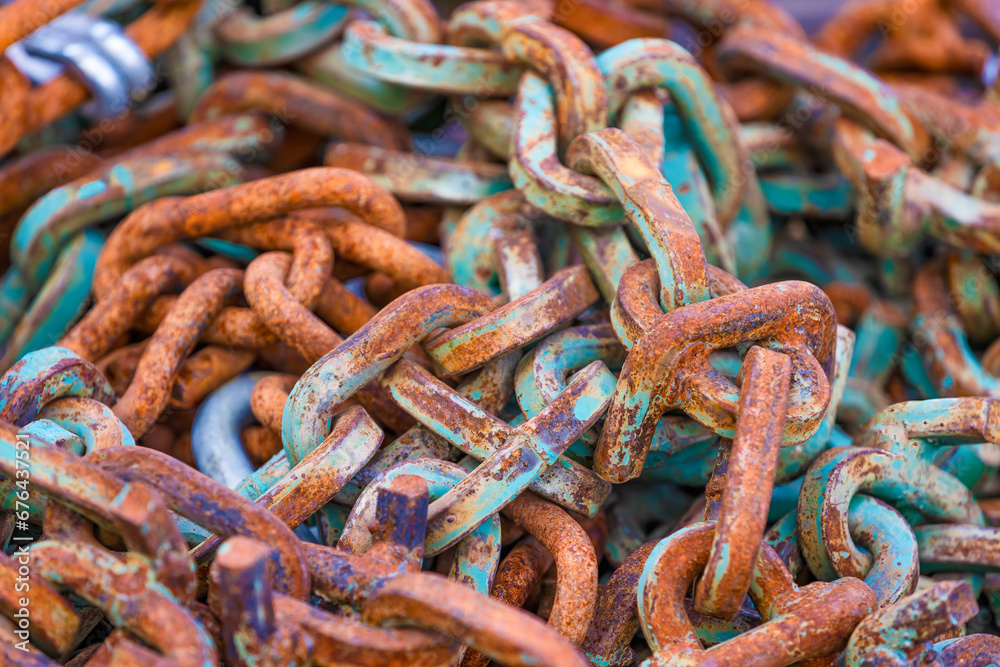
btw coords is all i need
(382, 333)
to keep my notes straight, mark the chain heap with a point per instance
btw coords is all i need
(387, 333)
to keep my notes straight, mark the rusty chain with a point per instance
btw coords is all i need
(400, 332)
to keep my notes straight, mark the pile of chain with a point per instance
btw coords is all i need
(544, 333)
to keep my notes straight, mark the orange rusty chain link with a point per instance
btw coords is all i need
(405, 332)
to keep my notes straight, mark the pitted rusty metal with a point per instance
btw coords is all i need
(916, 428)
(635, 308)
(654, 369)
(168, 220)
(541, 133)
(502, 632)
(473, 430)
(260, 443)
(60, 474)
(241, 597)
(366, 354)
(293, 323)
(739, 491)
(651, 206)
(55, 624)
(617, 618)
(915, 487)
(376, 249)
(655, 127)
(91, 421)
(957, 548)
(830, 611)
(903, 632)
(642, 119)
(197, 375)
(32, 657)
(795, 459)
(490, 390)
(342, 309)
(417, 21)
(330, 67)
(283, 637)
(338, 638)
(575, 561)
(312, 261)
(636, 64)
(519, 263)
(205, 371)
(631, 154)
(279, 310)
(134, 511)
(566, 62)
(490, 124)
(267, 400)
(277, 630)
(147, 396)
(558, 300)
(529, 450)
(627, 68)
(459, 66)
(293, 494)
(517, 575)
(543, 373)
(95, 335)
(43, 377)
(117, 587)
(469, 256)
(397, 545)
(476, 556)
(520, 571)
(914, 431)
(211, 505)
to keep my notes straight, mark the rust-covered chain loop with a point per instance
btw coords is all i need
(668, 367)
(383, 333)
(738, 495)
(831, 610)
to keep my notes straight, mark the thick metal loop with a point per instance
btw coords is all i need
(673, 565)
(668, 367)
